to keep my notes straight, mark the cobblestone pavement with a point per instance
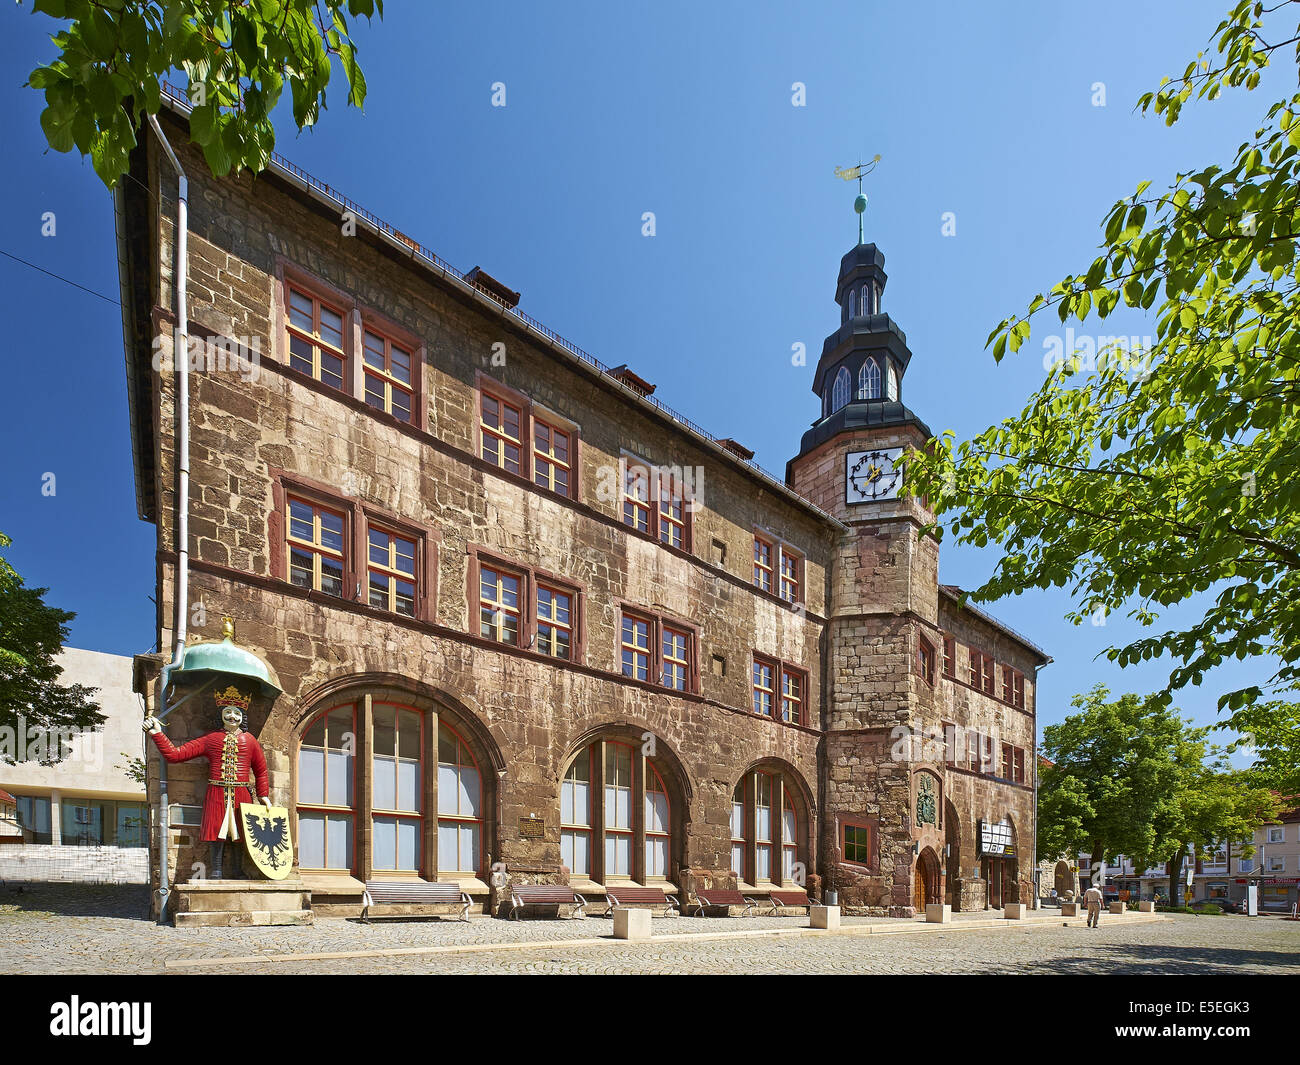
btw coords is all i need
(80, 929)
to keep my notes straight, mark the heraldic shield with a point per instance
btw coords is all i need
(266, 838)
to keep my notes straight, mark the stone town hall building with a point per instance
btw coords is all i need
(503, 642)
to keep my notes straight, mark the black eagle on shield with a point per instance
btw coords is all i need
(268, 839)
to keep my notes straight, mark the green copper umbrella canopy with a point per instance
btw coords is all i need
(225, 657)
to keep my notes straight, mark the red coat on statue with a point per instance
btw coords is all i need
(229, 755)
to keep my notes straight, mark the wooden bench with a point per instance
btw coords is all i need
(789, 898)
(413, 893)
(629, 896)
(707, 897)
(557, 895)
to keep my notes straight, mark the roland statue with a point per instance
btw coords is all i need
(231, 753)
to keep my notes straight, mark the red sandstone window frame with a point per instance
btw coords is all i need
(950, 657)
(781, 566)
(351, 813)
(871, 845)
(531, 581)
(531, 416)
(360, 516)
(391, 571)
(950, 753)
(764, 694)
(547, 461)
(657, 625)
(316, 548)
(312, 336)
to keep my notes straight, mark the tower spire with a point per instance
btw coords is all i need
(859, 171)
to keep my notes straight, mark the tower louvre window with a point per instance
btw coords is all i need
(840, 390)
(869, 380)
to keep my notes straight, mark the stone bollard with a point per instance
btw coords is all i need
(1069, 909)
(1014, 911)
(938, 913)
(631, 924)
(827, 917)
(1118, 909)
(1146, 907)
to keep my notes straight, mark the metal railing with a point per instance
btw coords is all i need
(418, 250)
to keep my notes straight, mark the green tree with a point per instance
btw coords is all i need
(33, 704)
(237, 58)
(1155, 476)
(1113, 770)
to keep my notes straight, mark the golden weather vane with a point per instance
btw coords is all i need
(858, 172)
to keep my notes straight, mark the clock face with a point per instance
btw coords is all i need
(873, 475)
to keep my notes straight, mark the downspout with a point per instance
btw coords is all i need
(180, 358)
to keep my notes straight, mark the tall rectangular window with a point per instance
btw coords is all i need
(575, 816)
(762, 827)
(949, 657)
(554, 622)
(792, 686)
(636, 497)
(396, 764)
(635, 647)
(316, 345)
(764, 687)
(551, 458)
(315, 542)
(925, 660)
(391, 571)
(499, 605)
(388, 375)
(738, 862)
(501, 423)
(762, 564)
(676, 665)
(789, 576)
(618, 810)
(857, 844)
(672, 515)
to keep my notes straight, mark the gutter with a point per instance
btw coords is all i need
(181, 363)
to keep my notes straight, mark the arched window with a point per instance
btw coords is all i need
(460, 804)
(327, 791)
(424, 821)
(869, 380)
(620, 828)
(766, 847)
(851, 303)
(867, 293)
(891, 382)
(840, 390)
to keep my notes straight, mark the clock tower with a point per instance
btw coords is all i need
(883, 601)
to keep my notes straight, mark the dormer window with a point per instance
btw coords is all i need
(869, 380)
(840, 389)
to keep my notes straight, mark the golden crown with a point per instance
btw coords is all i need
(232, 696)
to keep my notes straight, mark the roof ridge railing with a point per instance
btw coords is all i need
(179, 95)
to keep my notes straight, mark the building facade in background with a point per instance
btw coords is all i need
(64, 814)
(530, 624)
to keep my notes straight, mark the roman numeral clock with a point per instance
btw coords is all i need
(871, 476)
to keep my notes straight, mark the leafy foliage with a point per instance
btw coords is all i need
(238, 57)
(1165, 473)
(31, 634)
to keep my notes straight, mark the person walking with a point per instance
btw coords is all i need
(1093, 899)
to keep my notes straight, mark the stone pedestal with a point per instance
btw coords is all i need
(938, 913)
(1069, 909)
(1014, 911)
(1118, 909)
(1146, 907)
(631, 923)
(827, 917)
(222, 903)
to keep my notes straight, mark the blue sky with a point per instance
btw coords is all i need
(684, 110)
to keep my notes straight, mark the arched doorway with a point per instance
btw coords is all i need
(925, 880)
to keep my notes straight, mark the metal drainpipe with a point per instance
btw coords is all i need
(180, 357)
